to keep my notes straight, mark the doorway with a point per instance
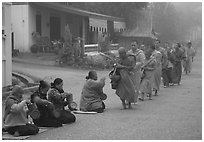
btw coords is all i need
(55, 28)
(38, 24)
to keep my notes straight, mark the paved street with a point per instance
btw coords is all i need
(175, 114)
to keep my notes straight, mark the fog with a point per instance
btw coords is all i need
(178, 21)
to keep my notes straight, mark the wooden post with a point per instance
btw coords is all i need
(6, 45)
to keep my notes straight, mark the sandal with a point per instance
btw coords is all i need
(124, 105)
(155, 93)
(141, 99)
(129, 106)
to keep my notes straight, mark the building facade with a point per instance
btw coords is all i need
(50, 18)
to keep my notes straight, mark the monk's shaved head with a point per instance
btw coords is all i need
(122, 50)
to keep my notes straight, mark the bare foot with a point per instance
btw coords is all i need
(124, 105)
(129, 106)
(156, 93)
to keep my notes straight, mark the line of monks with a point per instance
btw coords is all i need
(140, 71)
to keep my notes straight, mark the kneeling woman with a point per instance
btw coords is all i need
(92, 94)
(45, 107)
(60, 100)
(15, 117)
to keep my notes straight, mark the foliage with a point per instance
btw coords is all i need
(101, 60)
(68, 48)
(34, 48)
(41, 44)
(71, 51)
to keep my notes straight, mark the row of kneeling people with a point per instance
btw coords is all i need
(50, 107)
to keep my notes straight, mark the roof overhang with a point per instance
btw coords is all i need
(65, 8)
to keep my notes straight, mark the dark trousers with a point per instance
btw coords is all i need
(167, 76)
(47, 122)
(177, 72)
(100, 110)
(24, 130)
(66, 117)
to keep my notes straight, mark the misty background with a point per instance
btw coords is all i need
(169, 21)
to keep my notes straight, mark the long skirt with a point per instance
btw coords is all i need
(167, 77)
(126, 87)
(66, 117)
(188, 65)
(176, 72)
(156, 79)
(146, 85)
(47, 122)
(136, 81)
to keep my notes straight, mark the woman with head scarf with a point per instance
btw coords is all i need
(45, 107)
(15, 117)
(60, 99)
(92, 95)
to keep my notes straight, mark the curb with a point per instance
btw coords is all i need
(23, 76)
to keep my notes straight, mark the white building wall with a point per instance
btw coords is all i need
(24, 24)
(45, 13)
(20, 27)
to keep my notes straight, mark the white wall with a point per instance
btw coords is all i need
(45, 21)
(24, 17)
(20, 27)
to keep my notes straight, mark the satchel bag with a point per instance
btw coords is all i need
(33, 110)
(115, 78)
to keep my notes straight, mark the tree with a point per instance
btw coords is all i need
(67, 52)
(68, 39)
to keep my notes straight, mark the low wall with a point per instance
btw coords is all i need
(94, 47)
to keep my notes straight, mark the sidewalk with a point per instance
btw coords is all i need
(48, 59)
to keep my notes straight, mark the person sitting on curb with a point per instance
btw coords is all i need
(92, 95)
(60, 100)
(16, 117)
(45, 107)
